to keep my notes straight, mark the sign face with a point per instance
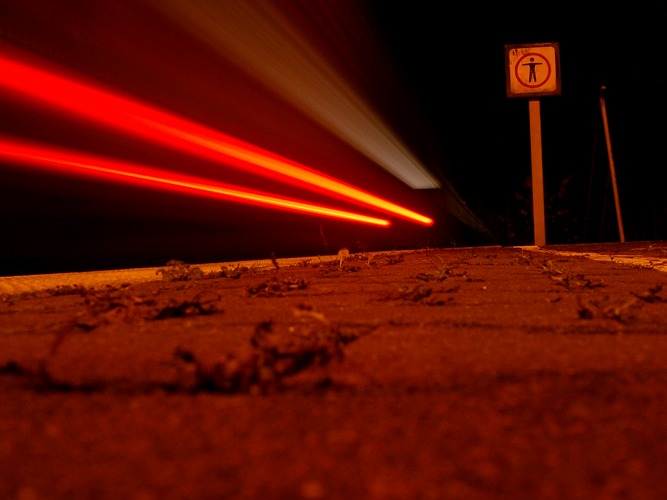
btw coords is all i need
(532, 70)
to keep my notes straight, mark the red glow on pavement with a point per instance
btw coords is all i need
(172, 131)
(69, 162)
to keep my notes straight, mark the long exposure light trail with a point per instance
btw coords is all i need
(140, 120)
(62, 161)
(262, 41)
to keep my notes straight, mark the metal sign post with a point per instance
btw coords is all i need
(533, 71)
(536, 170)
(612, 170)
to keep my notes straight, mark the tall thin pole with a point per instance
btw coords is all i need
(537, 177)
(612, 170)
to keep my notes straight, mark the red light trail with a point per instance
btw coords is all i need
(166, 129)
(102, 168)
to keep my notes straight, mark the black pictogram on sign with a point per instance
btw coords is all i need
(529, 67)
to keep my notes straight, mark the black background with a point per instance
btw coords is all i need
(484, 136)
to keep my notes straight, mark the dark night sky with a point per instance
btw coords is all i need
(456, 66)
(447, 100)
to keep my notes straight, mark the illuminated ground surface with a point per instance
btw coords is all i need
(459, 373)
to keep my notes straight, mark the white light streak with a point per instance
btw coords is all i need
(260, 39)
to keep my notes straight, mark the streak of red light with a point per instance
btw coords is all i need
(69, 162)
(175, 132)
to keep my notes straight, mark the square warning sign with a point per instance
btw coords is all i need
(532, 70)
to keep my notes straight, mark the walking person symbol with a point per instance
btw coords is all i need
(532, 76)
